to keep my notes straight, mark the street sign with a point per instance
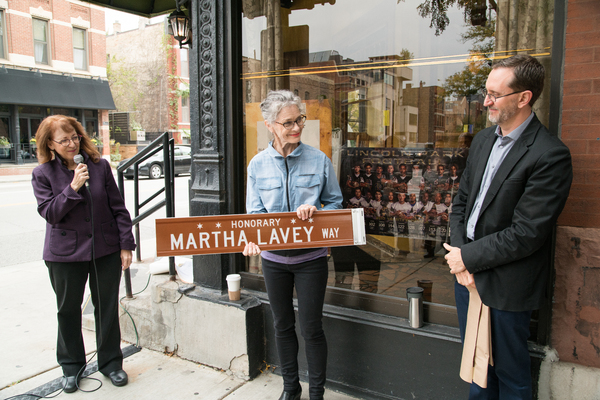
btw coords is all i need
(218, 234)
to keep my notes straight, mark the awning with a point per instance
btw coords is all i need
(49, 90)
(144, 8)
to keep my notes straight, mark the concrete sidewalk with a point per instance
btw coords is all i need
(28, 327)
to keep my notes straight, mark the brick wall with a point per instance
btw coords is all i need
(576, 308)
(20, 31)
(581, 111)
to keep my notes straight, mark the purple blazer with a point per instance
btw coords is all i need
(68, 214)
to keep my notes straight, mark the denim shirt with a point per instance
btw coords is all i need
(278, 184)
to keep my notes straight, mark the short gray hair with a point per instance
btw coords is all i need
(277, 101)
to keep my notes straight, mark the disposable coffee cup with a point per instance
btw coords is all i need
(233, 285)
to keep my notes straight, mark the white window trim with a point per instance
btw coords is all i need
(40, 13)
(86, 48)
(48, 41)
(5, 32)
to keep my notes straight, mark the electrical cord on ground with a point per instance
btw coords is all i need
(82, 369)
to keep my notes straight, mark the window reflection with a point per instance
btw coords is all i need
(393, 95)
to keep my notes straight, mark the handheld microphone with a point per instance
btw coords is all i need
(78, 159)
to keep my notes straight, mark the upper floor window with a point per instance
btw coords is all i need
(2, 51)
(40, 41)
(185, 63)
(185, 110)
(79, 49)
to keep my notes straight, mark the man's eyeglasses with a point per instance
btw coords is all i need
(494, 98)
(65, 142)
(290, 124)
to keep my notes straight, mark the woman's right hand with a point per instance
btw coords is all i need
(251, 249)
(80, 176)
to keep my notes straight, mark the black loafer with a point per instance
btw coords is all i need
(291, 395)
(118, 377)
(69, 384)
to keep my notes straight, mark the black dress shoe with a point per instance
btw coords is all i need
(118, 377)
(69, 384)
(291, 395)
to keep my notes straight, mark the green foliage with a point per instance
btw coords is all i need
(4, 141)
(437, 10)
(123, 82)
(115, 157)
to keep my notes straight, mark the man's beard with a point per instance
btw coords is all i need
(503, 114)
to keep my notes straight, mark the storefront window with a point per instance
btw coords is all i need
(392, 92)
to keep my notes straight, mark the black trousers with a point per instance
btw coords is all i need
(68, 281)
(310, 280)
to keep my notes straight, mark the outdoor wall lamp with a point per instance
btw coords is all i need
(180, 25)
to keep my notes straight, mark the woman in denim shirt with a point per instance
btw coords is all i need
(292, 176)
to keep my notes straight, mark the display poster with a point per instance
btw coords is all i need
(403, 192)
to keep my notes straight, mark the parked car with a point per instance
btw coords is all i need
(153, 167)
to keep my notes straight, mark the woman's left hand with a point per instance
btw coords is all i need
(305, 211)
(125, 259)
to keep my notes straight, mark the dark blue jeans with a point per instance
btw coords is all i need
(510, 377)
(310, 280)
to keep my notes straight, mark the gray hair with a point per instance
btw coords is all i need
(277, 101)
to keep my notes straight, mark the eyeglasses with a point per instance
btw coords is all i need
(290, 124)
(65, 142)
(493, 98)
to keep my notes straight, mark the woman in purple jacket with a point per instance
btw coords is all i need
(88, 233)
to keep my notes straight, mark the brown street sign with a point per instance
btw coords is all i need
(218, 234)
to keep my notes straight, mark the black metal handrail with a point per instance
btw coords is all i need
(167, 145)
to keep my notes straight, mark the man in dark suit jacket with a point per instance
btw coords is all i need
(513, 188)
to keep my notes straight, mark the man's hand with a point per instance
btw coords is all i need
(454, 259)
(465, 278)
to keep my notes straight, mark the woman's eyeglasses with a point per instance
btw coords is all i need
(290, 124)
(65, 142)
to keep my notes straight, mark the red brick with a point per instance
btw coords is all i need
(585, 191)
(583, 220)
(581, 102)
(576, 56)
(596, 86)
(595, 116)
(592, 176)
(577, 87)
(582, 205)
(580, 132)
(576, 117)
(594, 145)
(577, 146)
(583, 9)
(586, 39)
(587, 161)
(576, 25)
(582, 71)
(579, 177)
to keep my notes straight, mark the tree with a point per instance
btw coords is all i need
(474, 10)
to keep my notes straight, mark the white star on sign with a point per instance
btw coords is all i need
(293, 220)
(199, 226)
(310, 220)
(218, 224)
